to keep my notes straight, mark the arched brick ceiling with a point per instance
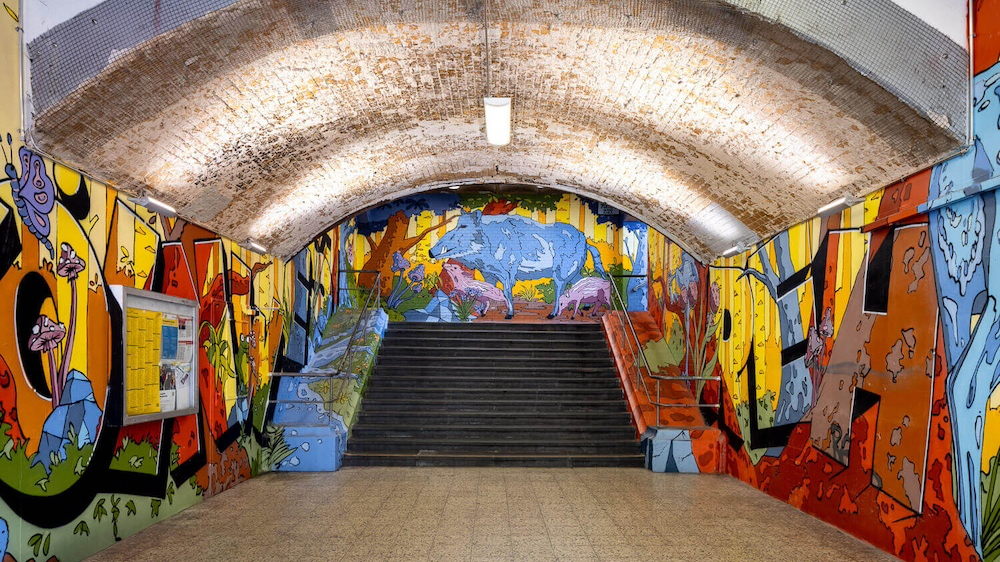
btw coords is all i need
(274, 120)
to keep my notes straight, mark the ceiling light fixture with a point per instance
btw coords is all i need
(737, 249)
(497, 110)
(253, 246)
(838, 205)
(741, 246)
(154, 205)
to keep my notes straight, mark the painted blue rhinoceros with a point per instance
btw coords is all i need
(508, 248)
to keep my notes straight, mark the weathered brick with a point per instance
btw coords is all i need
(274, 120)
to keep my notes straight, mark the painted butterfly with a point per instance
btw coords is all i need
(34, 193)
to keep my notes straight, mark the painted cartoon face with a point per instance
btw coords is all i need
(46, 334)
(70, 265)
(453, 270)
(35, 196)
(464, 239)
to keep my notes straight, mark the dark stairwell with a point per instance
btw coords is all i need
(447, 394)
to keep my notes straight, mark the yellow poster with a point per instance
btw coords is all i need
(142, 379)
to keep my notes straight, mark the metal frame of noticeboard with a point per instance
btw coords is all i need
(176, 375)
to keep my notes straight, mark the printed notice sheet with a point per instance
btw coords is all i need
(160, 356)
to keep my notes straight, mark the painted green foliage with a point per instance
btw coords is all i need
(666, 353)
(135, 457)
(14, 461)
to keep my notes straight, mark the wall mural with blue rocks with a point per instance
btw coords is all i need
(450, 257)
(314, 410)
(71, 481)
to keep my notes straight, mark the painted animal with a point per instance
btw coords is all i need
(463, 282)
(507, 248)
(591, 290)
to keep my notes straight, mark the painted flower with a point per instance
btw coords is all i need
(45, 334)
(474, 292)
(714, 297)
(417, 275)
(693, 293)
(399, 263)
(681, 297)
(70, 265)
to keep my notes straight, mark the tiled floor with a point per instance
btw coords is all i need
(534, 515)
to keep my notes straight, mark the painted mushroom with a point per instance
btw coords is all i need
(70, 265)
(45, 338)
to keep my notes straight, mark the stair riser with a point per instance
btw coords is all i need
(504, 327)
(497, 340)
(485, 370)
(533, 382)
(630, 461)
(373, 405)
(495, 448)
(498, 435)
(458, 419)
(538, 397)
(494, 354)
(542, 364)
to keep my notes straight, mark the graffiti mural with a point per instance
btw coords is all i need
(679, 335)
(60, 376)
(507, 249)
(313, 412)
(71, 481)
(535, 257)
(858, 356)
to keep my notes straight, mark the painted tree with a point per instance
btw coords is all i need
(393, 220)
(635, 244)
(796, 390)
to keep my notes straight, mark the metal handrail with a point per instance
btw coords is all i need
(374, 295)
(639, 380)
(331, 375)
(634, 346)
(342, 371)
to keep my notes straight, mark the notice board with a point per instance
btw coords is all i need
(161, 355)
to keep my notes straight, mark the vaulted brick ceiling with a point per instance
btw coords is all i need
(273, 120)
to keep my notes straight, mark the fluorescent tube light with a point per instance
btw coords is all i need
(251, 245)
(838, 205)
(154, 205)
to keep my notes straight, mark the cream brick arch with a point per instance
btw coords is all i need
(274, 119)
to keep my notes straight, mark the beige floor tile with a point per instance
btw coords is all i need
(537, 515)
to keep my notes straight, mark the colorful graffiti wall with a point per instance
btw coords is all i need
(859, 356)
(464, 257)
(331, 332)
(71, 481)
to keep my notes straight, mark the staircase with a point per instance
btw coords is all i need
(446, 394)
